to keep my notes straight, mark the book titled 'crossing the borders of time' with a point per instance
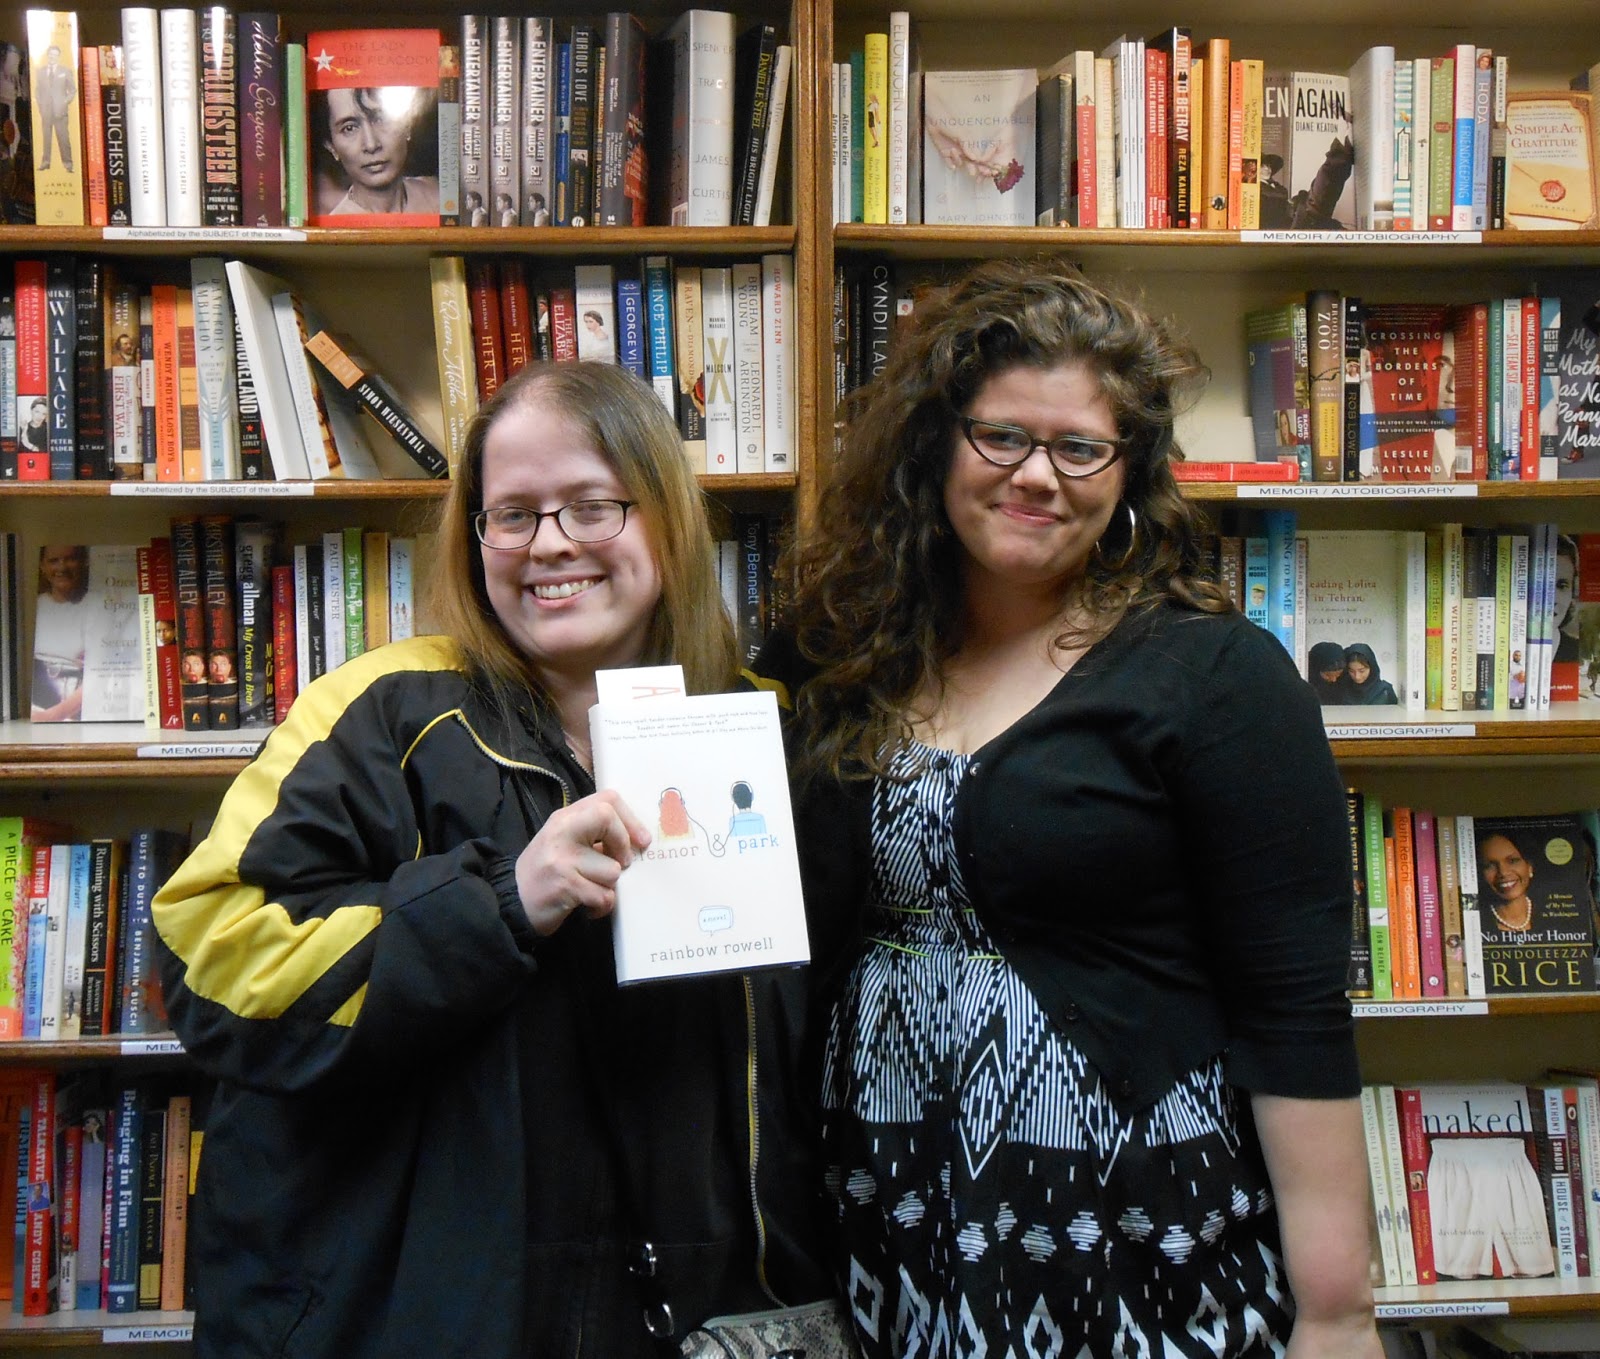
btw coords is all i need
(718, 889)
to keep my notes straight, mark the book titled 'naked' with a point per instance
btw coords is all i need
(718, 888)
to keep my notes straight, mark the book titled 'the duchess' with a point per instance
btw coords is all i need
(718, 888)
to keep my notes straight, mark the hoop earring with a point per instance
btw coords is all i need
(1127, 552)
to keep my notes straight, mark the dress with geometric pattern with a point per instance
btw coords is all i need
(992, 1200)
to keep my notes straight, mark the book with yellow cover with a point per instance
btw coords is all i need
(53, 62)
(874, 143)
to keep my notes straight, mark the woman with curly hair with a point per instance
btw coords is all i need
(1075, 850)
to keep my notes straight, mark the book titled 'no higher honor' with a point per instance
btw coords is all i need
(718, 889)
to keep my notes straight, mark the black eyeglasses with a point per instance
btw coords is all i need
(508, 528)
(1072, 455)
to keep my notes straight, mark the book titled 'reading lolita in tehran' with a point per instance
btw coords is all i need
(372, 98)
(718, 888)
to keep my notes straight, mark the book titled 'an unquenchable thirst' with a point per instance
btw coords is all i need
(718, 889)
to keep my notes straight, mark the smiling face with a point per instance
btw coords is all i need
(366, 139)
(63, 569)
(1027, 526)
(1502, 866)
(571, 608)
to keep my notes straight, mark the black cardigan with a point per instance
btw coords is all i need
(1160, 850)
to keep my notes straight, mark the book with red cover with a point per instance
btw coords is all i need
(157, 561)
(168, 376)
(515, 315)
(564, 323)
(189, 596)
(217, 583)
(285, 651)
(488, 341)
(1412, 352)
(33, 361)
(39, 1266)
(372, 97)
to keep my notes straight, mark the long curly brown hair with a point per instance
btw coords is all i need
(878, 602)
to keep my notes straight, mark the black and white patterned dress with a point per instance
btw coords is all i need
(992, 1200)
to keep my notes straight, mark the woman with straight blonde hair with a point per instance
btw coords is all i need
(440, 1128)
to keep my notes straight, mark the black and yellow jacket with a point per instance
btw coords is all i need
(408, 1151)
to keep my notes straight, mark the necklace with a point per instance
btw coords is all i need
(1516, 925)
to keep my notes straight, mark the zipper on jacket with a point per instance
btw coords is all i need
(506, 762)
(752, 1106)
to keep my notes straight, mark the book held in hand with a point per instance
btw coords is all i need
(718, 889)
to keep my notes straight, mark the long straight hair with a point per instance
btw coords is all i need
(625, 422)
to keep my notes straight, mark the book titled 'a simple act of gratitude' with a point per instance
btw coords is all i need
(719, 887)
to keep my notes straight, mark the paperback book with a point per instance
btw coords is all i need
(87, 665)
(718, 889)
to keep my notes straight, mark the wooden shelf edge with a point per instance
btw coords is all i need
(1466, 1298)
(337, 489)
(116, 1047)
(989, 239)
(441, 240)
(59, 1330)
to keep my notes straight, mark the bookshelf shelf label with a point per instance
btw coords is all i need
(198, 750)
(1398, 731)
(209, 235)
(209, 490)
(144, 1335)
(1361, 237)
(151, 1047)
(1399, 1311)
(1378, 490)
(1410, 1009)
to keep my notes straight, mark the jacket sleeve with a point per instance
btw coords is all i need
(1268, 845)
(309, 936)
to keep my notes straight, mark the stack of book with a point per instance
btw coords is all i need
(717, 343)
(97, 1177)
(214, 119)
(1438, 1154)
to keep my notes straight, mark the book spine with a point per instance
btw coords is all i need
(94, 147)
(1353, 340)
(54, 60)
(402, 600)
(33, 366)
(191, 466)
(1360, 979)
(1377, 899)
(1462, 98)
(89, 371)
(584, 54)
(1455, 958)
(538, 116)
(780, 384)
(1441, 142)
(1235, 144)
(1547, 1114)
(1517, 624)
(261, 96)
(105, 869)
(296, 152)
(285, 642)
(449, 135)
(474, 120)
(875, 144)
(380, 399)
(658, 320)
(333, 597)
(1404, 141)
(1497, 144)
(152, 1177)
(122, 1275)
(1421, 140)
(148, 396)
(504, 120)
(1471, 928)
(772, 150)
(91, 1207)
(1430, 933)
(168, 413)
(755, 54)
(175, 1202)
(1482, 134)
(693, 378)
(255, 543)
(220, 196)
(1414, 1156)
(61, 314)
(75, 927)
(622, 173)
(1218, 103)
(8, 384)
(748, 387)
(717, 323)
(163, 575)
(355, 595)
(216, 382)
(631, 326)
(39, 1297)
(561, 138)
(1327, 390)
(217, 574)
(375, 586)
(180, 116)
(483, 293)
(141, 55)
(191, 618)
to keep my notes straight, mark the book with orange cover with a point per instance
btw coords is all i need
(1403, 909)
(1214, 133)
(94, 136)
(168, 375)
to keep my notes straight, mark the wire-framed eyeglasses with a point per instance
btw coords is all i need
(1072, 455)
(508, 528)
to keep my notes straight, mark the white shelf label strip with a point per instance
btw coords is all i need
(209, 490)
(207, 750)
(1410, 1009)
(1361, 237)
(1376, 490)
(1387, 1311)
(1398, 731)
(144, 1335)
(151, 1047)
(219, 236)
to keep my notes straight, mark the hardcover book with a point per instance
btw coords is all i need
(1411, 349)
(701, 168)
(58, 169)
(1537, 917)
(978, 147)
(372, 97)
(718, 889)
(86, 660)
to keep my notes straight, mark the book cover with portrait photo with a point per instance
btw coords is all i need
(372, 98)
(1536, 915)
(87, 664)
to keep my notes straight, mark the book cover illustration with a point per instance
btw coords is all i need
(1410, 419)
(1549, 161)
(1354, 587)
(373, 104)
(1534, 880)
(1481, 1178)
(1578, 379)
(978, 130)
(718, 889)
(58, 177)
(86, 660)
(1307, 152)
(16, 137)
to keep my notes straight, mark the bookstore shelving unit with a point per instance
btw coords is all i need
(1208, 280)
(372, 284)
